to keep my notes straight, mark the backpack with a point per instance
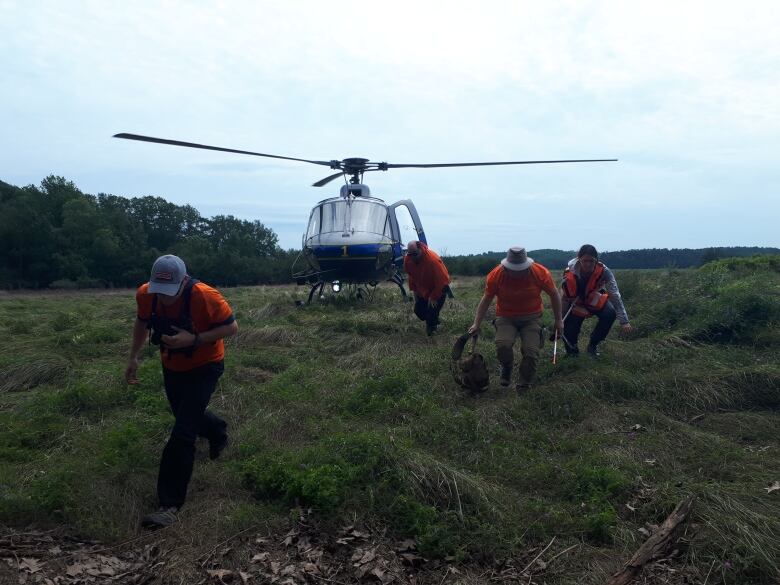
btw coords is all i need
(470, 371)
(160, 325)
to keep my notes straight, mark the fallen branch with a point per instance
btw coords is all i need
(528, 566)
(655, 546)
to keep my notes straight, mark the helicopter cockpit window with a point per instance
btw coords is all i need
(368, 216)
(314, 223)
(334, 217)
(339, 216)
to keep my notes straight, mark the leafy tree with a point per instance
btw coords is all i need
(163, 222)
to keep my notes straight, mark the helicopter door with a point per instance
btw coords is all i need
(406, 225)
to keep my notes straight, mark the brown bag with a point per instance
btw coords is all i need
(470, 371)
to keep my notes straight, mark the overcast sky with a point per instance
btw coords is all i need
(685, 94)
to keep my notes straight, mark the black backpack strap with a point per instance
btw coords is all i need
(187, 296)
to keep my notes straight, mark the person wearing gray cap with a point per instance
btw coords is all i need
(517, 283)
(188, 320)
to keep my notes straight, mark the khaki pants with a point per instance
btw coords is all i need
(529, 327)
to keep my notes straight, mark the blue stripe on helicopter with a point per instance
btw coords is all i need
(348, 251)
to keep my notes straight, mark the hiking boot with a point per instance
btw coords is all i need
(506, 375)
(162, 518)
(216, 448)
(522, 387)
(572, 352)
(593, 351)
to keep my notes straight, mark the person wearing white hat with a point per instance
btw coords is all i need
(517, 283)
(188, 320)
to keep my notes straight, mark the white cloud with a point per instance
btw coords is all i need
(686, 94)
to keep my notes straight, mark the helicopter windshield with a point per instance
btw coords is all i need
(368, 217)
(341, 216)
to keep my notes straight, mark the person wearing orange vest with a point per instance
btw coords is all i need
(589, 288)
(188, 320)
(517, 282)
(429, 280)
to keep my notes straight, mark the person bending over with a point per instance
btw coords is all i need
(517, 282)
(589, 288)
(429, 280)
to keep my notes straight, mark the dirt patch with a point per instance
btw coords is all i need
(304, 554)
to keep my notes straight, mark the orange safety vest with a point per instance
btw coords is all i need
(594, 299)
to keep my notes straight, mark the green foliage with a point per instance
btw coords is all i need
(120, 447)
(88, 399)
(438, 534)
(388, 396)
(56, 236)
(732, 301)
(481, 264)
(322, 476)
(20, 439)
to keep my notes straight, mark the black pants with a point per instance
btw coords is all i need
(188, 395)
(573, 324)
(427, 313)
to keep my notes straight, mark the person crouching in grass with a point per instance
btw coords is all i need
(589, 288)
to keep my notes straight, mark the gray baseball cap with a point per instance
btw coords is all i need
(167, 274)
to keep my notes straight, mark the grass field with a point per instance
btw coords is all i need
(345, 413)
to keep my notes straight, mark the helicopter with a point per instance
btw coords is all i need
(354, 239)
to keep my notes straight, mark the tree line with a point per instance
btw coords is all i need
(53, 235)
(56, 236)
(481, 264)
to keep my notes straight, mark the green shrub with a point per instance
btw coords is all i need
(597, 490)
(323, 476)
(438, 534)
(121, 448)
(85, 398)
(378, 396)
(22, 436)
(63, 321)
(736, 315)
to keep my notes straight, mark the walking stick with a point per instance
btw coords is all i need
(555, 347)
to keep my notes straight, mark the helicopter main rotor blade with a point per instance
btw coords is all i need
(218, 148)
(491, 164)
(328, 179)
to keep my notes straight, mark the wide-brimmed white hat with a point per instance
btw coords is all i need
(516, 259)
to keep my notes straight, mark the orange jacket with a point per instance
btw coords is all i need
(428, 276)
(519, 295)
(208, 309)
(592, 298)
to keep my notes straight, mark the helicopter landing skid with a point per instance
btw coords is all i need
(363, 292)
(399, 280)
(315, 287)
